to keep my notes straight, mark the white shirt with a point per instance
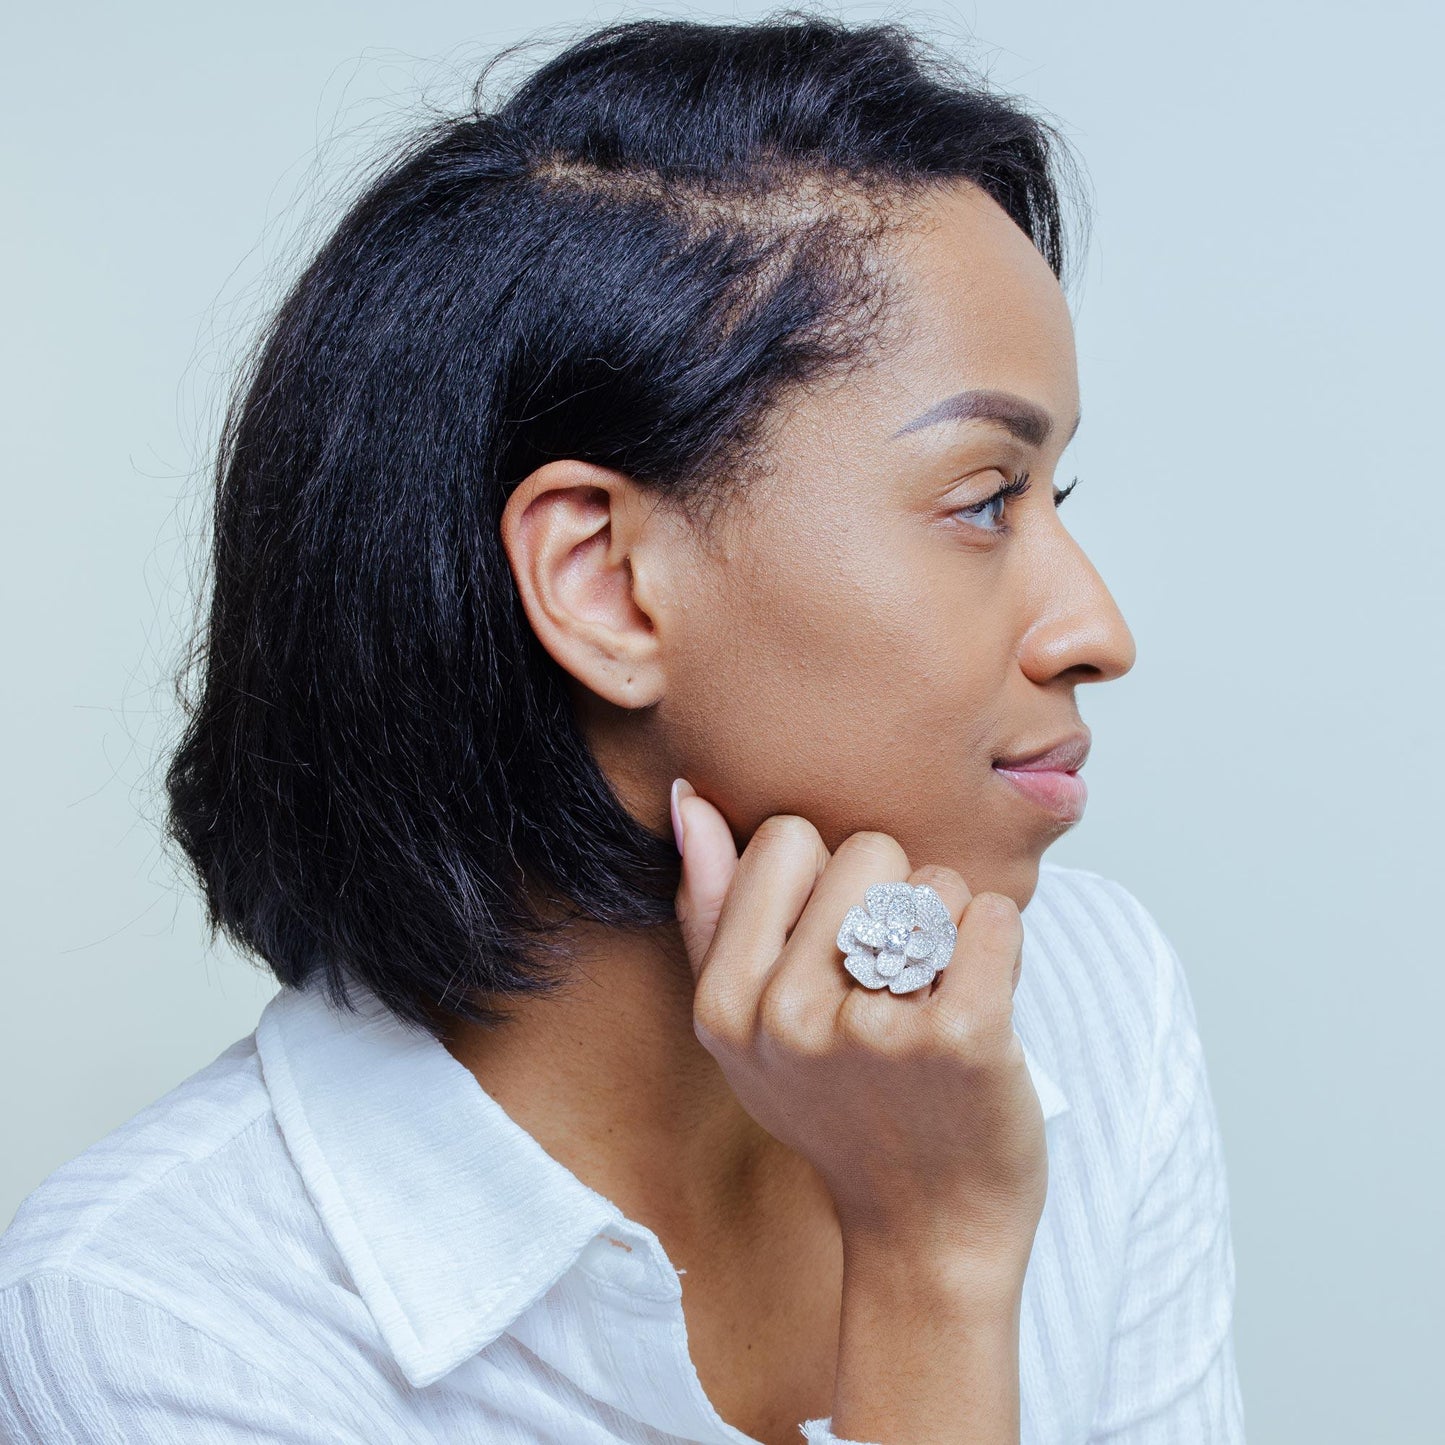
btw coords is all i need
(332, 1235)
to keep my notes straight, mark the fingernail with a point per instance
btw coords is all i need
(677, 832)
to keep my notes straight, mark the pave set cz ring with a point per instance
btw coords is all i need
(900, 939)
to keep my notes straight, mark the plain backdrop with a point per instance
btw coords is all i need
(1259, 323)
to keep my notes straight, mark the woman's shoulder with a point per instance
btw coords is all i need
(91, 1203)
(176, 1271)
(193, 1190)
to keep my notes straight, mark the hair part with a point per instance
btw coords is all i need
(631, 260)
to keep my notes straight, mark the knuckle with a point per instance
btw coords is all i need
(996, 1016)
(712, 1019)
(789, 832)
(973, 1034)
(810, 1042)
(784, 1014)
(882, 850)
(941, 878)
(997, 913)
(704, 1025)
(857, 1024)
(952, 1030)
(864, 1025)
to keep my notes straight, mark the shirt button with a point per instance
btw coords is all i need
(633, 1261)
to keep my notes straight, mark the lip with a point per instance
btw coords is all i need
(1049, 776)
(1067, 755)
(1064, 795)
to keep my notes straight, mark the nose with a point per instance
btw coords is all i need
(1076, 629)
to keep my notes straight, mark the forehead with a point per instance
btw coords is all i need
(973, 307)
(976, 305)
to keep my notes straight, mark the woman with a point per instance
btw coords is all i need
(694, 414)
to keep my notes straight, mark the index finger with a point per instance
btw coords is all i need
(862, 860)
(773, 880)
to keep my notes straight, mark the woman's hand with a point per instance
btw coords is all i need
(916, 1109)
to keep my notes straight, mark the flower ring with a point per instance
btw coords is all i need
(902, 922)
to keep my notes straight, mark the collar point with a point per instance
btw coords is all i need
(424, 1364)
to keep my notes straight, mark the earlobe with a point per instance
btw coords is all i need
(570, 530)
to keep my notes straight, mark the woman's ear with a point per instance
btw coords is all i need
(585, 547)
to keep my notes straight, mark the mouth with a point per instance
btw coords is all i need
(1067, 755)
(1048, 776)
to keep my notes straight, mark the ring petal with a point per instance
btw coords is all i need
(852, 920)
(916, 975)
(943, 950)
(932, 910)
(882, 900)
(890, 964)
(871, 932)
(921, 943)
(864, 967)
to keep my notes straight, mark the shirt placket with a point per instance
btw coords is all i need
(614, 1325)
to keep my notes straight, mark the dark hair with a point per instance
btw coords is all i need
(626, 262)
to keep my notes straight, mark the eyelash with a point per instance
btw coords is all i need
(1010, 490)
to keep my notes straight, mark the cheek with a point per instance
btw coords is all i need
(843, 685)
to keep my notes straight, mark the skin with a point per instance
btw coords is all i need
(845, 605)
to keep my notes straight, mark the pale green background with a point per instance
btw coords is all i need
(1260, 343)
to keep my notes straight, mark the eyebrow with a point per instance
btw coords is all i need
(1027, 421)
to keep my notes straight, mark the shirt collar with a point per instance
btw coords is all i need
(450, 1217)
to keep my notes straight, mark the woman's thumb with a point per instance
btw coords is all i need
(709, 861)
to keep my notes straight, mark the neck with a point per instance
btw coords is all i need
(609, 1077)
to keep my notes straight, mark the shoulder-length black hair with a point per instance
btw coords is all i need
(379, 761)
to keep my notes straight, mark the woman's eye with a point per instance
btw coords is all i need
(1005, 494)
(1000, 500)
(980, 508)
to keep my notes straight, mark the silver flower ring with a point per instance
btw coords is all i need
(900, 940)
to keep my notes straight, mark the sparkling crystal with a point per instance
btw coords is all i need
(899, 939)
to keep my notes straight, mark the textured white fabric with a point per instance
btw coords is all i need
(816, 1432)
(332, 1234)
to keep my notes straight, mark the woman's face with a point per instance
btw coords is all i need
(860, 639)
(858, 646)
